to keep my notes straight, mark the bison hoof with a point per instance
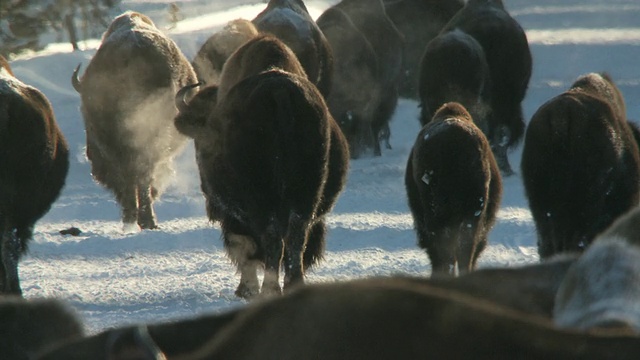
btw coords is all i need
(246, 292)
(268, 291)
(148, 226)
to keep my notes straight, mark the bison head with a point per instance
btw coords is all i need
(192, 116)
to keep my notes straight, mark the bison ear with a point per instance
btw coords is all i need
(132, 344)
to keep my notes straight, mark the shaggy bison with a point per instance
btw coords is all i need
(34, 158)
(31, 327)
(507, 51)
(507, 302)
(454, 68)
(575, 191)
(454, 189)
(356, 88)
(216, 50)
(386, 41)
(391, 319)
(272, 162)
(289, 21)
(127, 97)
(419, 21)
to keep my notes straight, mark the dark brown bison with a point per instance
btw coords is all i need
(127, 97)
(507, 51)
(387, 319)
(574, 191)
(272, 162)
(31, 327)
(371, 19)
(34, 158)
(356, 88)
(419, 21)
(602, 288)
(526, 292)
(454, 190)
(454, 68)
(211, 57)
(289, 21)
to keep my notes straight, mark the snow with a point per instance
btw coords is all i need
(115, 277)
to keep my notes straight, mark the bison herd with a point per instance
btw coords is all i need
(276, 107)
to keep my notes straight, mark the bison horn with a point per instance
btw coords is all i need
(181, 104)
(74, 79)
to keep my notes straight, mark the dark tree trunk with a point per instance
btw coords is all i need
(71, 29)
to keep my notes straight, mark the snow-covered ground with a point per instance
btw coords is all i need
(114, 278)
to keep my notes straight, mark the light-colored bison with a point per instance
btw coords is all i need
(602, 288)
(127, 97)
(211, 57)
(289, 21)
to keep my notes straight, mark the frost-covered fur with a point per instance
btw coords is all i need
(127, 97)
(602, 289)
(289, 21)
(218, 48)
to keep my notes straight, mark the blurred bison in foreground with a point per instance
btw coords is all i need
(602, 288)
(34, 158)
(580, 165)
(127, 97)
(391, 319)
(34, 326)
(454, 189)
(272, 162)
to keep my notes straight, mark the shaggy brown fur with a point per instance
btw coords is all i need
(34, 158)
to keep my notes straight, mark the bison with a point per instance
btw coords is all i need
(289, 21)
(356, 88)
(454, 189)
(419, 21)
(127, 94)
(272, 162)
(211, 57)
(454, 68)
(34, 158)
(526, 291)
(371, 19)
(31, 327)
(390, 319)
(507, 51)
(603, 287)
(575, 192)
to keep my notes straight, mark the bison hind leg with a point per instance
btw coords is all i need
(146, 216)
(11, 249)
(241, 249)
